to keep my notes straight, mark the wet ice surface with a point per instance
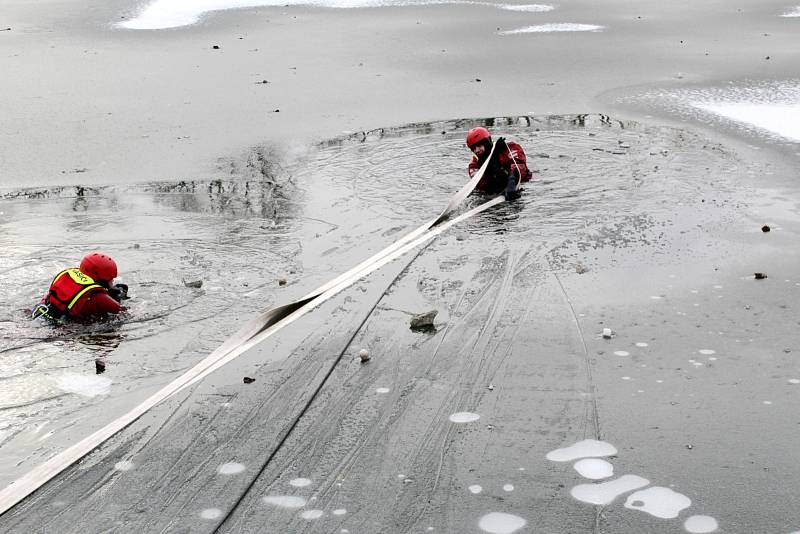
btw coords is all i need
(593, 198)
(758, 108)
(792, 13)
(162, 14)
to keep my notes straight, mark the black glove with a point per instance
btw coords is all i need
(119, 292)
(513, 194)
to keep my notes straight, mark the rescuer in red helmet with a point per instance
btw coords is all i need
(509, 167)
(84, 292)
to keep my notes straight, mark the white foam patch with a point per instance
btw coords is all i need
(605, 492)
(475, 489)
(285, 501)
(555, 27)
(700, 524)
(659, 502)
(310, 515)
(382, 390)
(594, 468)
(794, 13)
(464, 417)
(588, 448)
(339, 511)
(230, 468)
(84, 385)
(124, 465)
(162, 14)
(781, 119)
(300, 482)
(500, 523)
(211, 513)
(621, 353)
(508, 487)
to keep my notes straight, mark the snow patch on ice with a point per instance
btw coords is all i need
(606, 492)
(211, 513)
(124, 465)
(793, 13)
(621, 353)
(782, 119)
(659, 502)
(382, 390)
(500, 523)
(464, 417)
(230, 468)
(700, 524)
(300, 482)
(594, 468)
(588, 448)
(508, 487)
(285, 501)
(555, 27)
(310, 515)
(475, 489)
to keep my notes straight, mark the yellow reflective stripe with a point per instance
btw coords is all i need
(79, 278)
(80, 294)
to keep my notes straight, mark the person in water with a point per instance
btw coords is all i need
(85, 292)
(507, 170)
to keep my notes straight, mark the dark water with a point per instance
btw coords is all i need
(601, 185)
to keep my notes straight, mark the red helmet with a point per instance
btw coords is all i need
(99, 266)
(476, 135)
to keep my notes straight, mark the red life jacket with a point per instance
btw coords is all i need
(511, 161)
(68, 288)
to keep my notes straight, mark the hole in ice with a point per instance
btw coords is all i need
(605, 492)
(500, 523)
(659, 502)
(285, 501)
(594, 468)
(475, 489)
(124, 465)
(588, 448)
(230, 468)
(211, 513)
(310, 515)
(300, 482)
(700, 524)
(464, 417)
